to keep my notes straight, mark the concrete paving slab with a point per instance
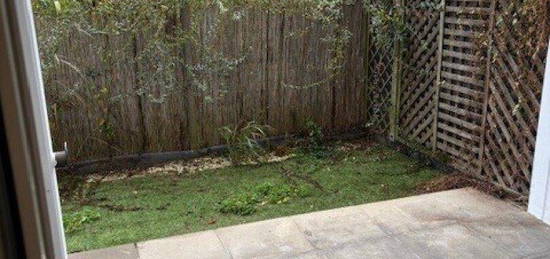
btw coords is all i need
(314, 254)
(330, 228)
(278, 237)
(384, 247)
(393, 220)
(116, 252)
(196, 245)
(470, 204)
(538, 256)
(520, 234)
(413, 213)
(445, 208)
(452, 241)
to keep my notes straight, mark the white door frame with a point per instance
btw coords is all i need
(25, 118)
(539, 196)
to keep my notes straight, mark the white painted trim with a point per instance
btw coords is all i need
(539, 196)
(29, 141)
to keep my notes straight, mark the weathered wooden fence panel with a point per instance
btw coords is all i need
(281, 80)
(420, 75)
(470, 86)
(515, 76)
(460, 106)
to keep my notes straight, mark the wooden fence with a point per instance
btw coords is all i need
(457, 86)
(465, 89)
(279, 50)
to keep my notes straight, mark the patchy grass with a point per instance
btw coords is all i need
(155, 206)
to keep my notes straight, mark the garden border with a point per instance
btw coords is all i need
(139, 161)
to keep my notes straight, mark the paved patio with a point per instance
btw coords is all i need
(453, 224)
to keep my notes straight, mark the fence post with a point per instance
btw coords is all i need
(438, 77)
(366, 61)
(396, 77)
(486, 90)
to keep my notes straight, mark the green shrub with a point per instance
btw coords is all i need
(274, 194)
(242, 142)
(242, 205)
(303, 191)
(264, 188)
(314, 133)
(315, 141)
(246, 203)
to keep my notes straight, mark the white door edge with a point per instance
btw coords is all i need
(29, 141)
(539, 195)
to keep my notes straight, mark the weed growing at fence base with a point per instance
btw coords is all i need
(148, 207)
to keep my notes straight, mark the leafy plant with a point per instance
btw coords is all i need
(274, 193)
(242, 205)
(315, 140)
(246, 203)
(75, 221)
(314, 133)
(242, 142)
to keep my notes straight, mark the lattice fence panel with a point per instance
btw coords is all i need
(461, 95)
(469, 85)
(515, 83)
(381, 57)
(420, 69)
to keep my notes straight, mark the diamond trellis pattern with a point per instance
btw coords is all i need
(463, 83)
(380, 72)
(419, 83)
(515, 80)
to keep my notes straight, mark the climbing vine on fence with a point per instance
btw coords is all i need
(158, 31)
(101, 56)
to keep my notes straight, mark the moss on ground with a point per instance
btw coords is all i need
(149, 207)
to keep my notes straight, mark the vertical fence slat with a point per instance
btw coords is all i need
(487, 86)
(396, 76)
(438, 71)
(367, 60)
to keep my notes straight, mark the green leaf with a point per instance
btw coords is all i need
(57, 5)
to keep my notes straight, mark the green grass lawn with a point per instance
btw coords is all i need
(149, 207)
